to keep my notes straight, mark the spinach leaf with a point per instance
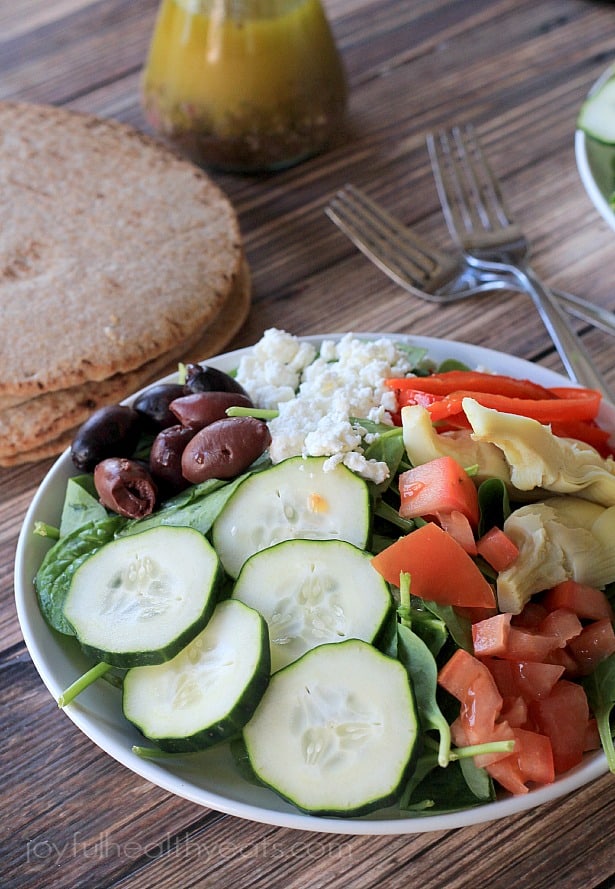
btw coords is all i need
(459, 628)
(197, 507)
(600, 689)
(452, 364)
(421, 667)
(431, 629)
(494, 504)
(60, 563)
(81, 505)
(433, 790)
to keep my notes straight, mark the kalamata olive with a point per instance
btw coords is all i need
(125, 486)
(111, 431)
(224, 448)
(165, 458)
(202, 408)
(202, 378)
(153, 404)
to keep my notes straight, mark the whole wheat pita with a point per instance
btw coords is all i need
(44, 426)
(113, 250)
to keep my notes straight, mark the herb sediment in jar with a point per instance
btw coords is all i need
(244, 86)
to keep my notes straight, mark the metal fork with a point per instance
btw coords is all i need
(426, 272)
(475, 212)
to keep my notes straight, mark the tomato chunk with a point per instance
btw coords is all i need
(528, 645)
(561, 623)
(439, 568)
(438, 486)
(587, 602)
(595, 643)
(490, 636)
(563, 717)
(534, 754)
(497, 549)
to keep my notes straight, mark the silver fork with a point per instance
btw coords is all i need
(475, 212)
(426, 272)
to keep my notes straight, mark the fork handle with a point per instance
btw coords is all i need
(571, 349)
(581, 308)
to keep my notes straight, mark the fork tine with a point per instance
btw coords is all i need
(400, 254)
(469, 193)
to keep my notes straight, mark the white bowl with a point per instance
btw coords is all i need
(595, 164)
(211, 779)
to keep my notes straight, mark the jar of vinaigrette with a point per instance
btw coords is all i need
(244, 85)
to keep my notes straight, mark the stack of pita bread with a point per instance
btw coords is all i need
(118, 259)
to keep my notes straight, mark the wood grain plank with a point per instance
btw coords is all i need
(519, 69)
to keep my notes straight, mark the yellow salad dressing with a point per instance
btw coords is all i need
(244, 85)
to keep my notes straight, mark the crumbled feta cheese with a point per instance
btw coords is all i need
(318, 394)
(271, 373)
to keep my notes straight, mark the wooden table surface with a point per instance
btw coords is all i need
(70, 816)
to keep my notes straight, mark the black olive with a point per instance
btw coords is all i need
(126, 487)
(112, 431)
(202, 408)
(202, 378)
(153, 404)
(224, 448)
(165, 459)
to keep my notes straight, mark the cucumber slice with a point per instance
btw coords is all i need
(597, 115)
(311, 592)
(336, 731)
(293, 499)
(140, 599)
(207, 692)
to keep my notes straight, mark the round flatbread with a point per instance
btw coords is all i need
(113, 250)
(43, 426)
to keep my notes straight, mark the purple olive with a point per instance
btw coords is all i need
(126, 487)
(153, 405)
(225, 448)
(199, 409)
(165, 459)
(202, 378)
(112, 431)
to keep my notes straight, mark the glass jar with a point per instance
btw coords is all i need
(244, 85)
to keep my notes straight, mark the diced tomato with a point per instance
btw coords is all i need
(490, 636)
(471, 683)
(531, 617)
(458, 526)
(587, 602)
(534, 754)
(533, 680)
(563, 717)
(438, 486)
(514, 712)
(595, 643)
(563, 624)
(525, 645)
(507, 772)
(440, 570)
(529, 679)
(501, 671)
(498, 549)
(563, 658)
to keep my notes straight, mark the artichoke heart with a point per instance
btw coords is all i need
(539, 459)
(423, 443)
(559, 539)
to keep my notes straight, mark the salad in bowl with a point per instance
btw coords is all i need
(357, 583)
